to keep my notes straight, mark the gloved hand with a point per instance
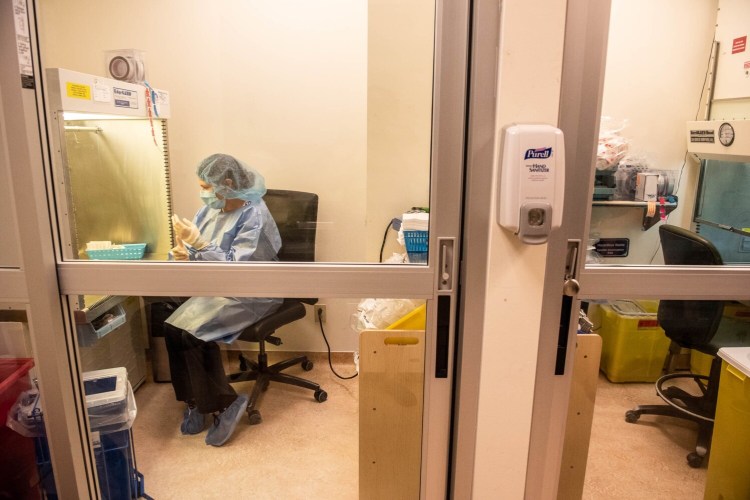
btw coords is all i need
(188, 232)
(180, 252)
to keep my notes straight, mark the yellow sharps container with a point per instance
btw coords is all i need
(728, 476)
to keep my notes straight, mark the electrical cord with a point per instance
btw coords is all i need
(396, 224)
(320, 321)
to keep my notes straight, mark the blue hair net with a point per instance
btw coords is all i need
(247, 183)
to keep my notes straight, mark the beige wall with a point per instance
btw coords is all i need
(399, 101)
(656, 64)
(285, 93)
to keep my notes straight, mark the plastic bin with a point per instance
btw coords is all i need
(111, 408)
(634, 347)
(415, 320)
(13, 381)
(129, 251)
(737, 311)
(107, 322)
(17, 464)
(109, 399)
(416, 245)
(727, 475)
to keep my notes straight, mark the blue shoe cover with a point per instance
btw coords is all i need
(193, 422)
(224, 425)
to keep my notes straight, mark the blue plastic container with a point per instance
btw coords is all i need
(114, 465)
(107, 392)
(44, 466)
(416, 245)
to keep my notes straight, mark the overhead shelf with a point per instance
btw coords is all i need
(648, 222)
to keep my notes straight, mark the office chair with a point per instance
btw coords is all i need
(691, 324)
(296, 215)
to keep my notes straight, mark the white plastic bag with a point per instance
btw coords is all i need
(376, 314)
(612, 145)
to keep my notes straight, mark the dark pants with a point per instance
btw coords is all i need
(197, 372)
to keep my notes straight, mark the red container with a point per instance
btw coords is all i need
(18, 474)
(13, 381)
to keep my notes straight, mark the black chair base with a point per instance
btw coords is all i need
(264, 375)
(681, 404)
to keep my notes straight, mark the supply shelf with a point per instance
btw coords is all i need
(648, 222)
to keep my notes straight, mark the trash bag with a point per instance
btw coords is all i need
(377, 314)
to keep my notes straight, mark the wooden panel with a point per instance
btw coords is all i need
(580, 416)
(391, 389)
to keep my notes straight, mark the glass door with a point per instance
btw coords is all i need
(622, 131)
(358, 107)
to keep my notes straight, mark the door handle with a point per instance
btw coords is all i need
(570, 290)
(571, 287)
(442, 335)
(445, 264)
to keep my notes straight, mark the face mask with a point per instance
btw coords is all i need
(210, 199)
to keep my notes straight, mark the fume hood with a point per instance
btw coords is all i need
(110, 167)
(112, 159)
(722, 209)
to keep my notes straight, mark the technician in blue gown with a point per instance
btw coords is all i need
(235, 225)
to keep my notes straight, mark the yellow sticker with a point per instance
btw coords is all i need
(78, 90)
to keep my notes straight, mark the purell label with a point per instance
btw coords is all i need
(538, 153)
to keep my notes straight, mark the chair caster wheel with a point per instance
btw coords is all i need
(321, 395)
(307, 365)
(632, 416)
(694, 460)
(254, 417)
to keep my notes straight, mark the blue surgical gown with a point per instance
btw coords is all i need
(248, 233)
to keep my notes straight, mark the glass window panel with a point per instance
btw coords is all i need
(25, 467)
(644, 175)
(641, 341)
(723, 209)
(346, 424)
(331, 98)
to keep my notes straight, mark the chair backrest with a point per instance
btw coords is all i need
(690, 323)
(296, 215)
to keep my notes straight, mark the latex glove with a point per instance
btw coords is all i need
(180, 252)
(188, 232)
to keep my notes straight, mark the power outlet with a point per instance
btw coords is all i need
(319, 310)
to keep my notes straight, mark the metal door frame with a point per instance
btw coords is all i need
(49, 279)
(584, 63)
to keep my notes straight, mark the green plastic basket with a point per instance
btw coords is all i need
(130, 251)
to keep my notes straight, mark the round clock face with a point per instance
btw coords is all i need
(726, 134)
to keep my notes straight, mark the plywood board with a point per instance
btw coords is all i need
(391, 391)
(580, 416)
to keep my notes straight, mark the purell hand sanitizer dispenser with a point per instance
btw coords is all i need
(532, 181)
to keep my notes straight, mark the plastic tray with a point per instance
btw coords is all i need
(130, 251)
(416, 245)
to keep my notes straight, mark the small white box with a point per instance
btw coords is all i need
(646, 186)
